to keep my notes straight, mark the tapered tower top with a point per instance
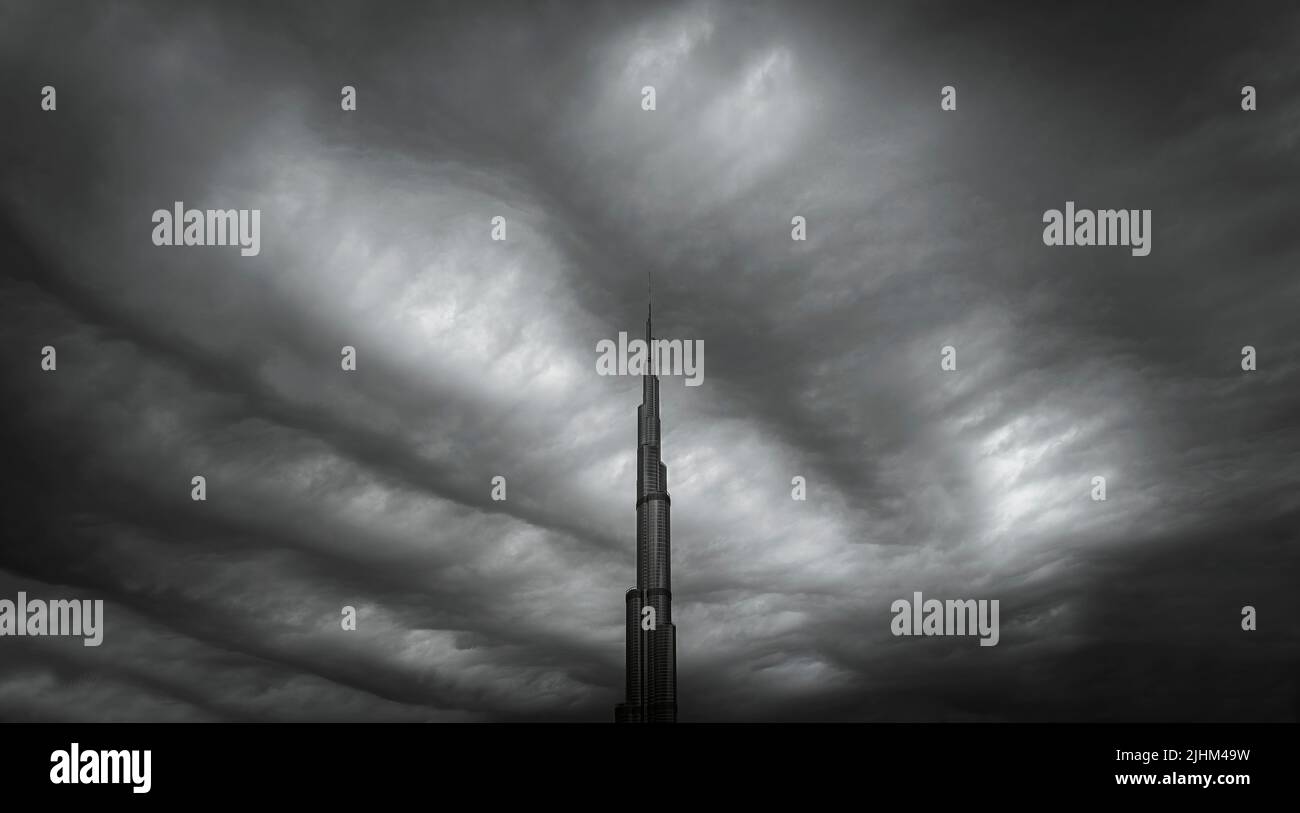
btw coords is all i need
(649, 306)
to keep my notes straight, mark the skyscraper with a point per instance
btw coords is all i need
(651, 653)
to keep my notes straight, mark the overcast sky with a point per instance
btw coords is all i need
(477, 358)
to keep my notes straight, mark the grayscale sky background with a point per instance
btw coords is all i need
(821, 358)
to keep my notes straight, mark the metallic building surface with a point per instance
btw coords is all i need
(651, 654)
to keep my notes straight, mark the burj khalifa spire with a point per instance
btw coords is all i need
(651, 635)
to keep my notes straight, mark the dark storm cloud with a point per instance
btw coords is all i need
(476, 358)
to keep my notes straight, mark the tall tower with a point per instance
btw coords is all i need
(651, 653)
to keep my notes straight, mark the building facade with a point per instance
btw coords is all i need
(651, 653)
